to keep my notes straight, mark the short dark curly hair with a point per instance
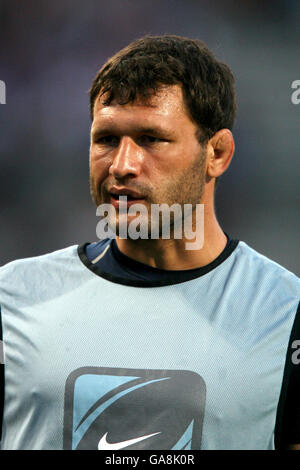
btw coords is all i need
(151, 62)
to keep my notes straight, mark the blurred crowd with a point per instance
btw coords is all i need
(49, 54)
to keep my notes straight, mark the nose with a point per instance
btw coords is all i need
(127, 160)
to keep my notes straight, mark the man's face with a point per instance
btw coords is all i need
(148, 151)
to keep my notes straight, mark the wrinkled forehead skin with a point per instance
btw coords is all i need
(164, 107)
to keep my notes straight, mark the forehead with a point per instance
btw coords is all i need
(166, 105)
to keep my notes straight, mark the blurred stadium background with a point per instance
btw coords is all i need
(49, 54)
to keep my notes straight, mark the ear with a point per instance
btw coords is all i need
(220, 150)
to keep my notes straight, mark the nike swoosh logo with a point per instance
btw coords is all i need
(104, 445)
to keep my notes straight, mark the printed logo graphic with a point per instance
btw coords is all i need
(133, 409)
(104, 445)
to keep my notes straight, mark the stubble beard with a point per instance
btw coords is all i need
(187, 188)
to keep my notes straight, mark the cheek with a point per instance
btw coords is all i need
(99, 165)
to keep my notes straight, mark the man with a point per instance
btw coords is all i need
(141, 342)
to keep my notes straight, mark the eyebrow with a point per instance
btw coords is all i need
(155, 130)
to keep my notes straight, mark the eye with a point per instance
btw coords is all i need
(110, 140)
(149, 139)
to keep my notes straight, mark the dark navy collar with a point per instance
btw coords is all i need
(105, 259)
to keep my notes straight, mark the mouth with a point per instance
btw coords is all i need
(124, 197)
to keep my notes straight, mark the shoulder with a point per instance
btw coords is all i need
(30, 278)
(262, 272)
(27, 264)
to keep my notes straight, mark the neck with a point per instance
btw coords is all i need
(172, 254)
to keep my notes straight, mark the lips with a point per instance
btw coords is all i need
(129, 197)
(116, 193)
(132, 197)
